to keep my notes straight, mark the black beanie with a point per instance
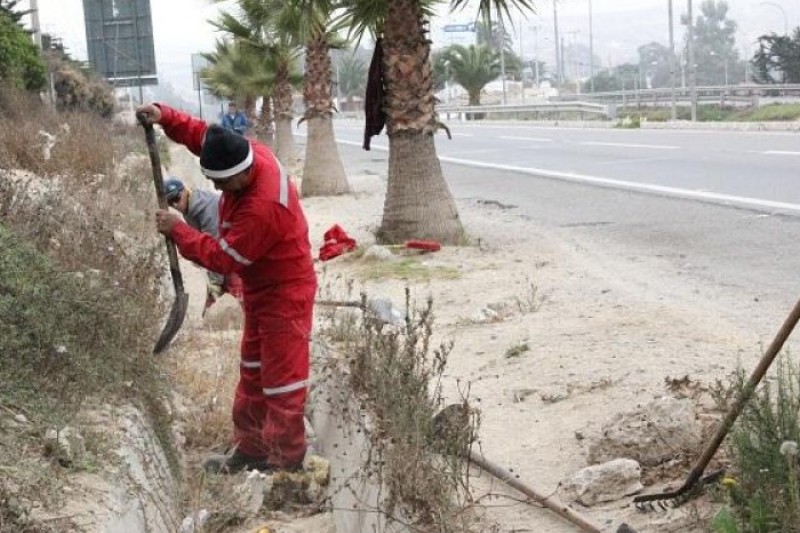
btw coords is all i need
(224, 153)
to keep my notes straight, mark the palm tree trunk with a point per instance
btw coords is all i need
(284, 139)
(323, 173)
(418, 202)
(267, 132)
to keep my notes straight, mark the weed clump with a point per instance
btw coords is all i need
(416, 452)
(763, 493)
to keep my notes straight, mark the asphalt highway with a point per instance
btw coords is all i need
(716, 215)
(758, 169)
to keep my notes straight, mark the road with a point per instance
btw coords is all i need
(745, 261)
(758, 169)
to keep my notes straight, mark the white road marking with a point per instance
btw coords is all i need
(662, 190)
(779, 152)
(626, 145)
(530, 139)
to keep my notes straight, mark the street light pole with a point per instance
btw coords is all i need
(503, 56)
(522, 58)
(559, 73)
(692, 66)
(783, 12)
(673, 106)
(536, 53)
(591, 49)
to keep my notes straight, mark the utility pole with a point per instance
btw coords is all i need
(692, 66)
(536, 53)
(522, 58)
(200, 94)
(559, 70)
(501, 44)
(35, 24)
(591, 49)
(674, 113)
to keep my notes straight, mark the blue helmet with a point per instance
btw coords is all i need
(172, 189)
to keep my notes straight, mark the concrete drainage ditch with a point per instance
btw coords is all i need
(141, 495)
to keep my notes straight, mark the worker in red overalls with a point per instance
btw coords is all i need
(263, 237)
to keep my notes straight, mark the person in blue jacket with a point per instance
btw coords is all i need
(234, 119)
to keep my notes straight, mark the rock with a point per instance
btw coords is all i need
(66, 446)
(604, 483)
(194, 524)
(650, 435)
(21, 419)
(251, 493)
(378, 253)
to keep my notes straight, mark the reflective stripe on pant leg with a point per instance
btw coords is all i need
(285, 369)
(248, 403)
(284, 430)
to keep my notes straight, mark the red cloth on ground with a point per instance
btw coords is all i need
(337, 242)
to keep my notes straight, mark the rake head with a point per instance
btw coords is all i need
(663, 501)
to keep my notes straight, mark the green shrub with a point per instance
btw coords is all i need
(80, 303)
(20, 63)
(766, 497)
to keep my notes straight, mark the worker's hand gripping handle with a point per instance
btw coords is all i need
(158, 181)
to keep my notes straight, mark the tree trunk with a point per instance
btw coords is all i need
(284, 139)
(267, 131)
(323, 173)
(475, 100)
(418, 201)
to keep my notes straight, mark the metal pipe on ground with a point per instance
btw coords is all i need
(547, 501)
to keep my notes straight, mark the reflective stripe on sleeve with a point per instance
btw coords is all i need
(275, 391)
(233, 253)
(251, 364)
(284, 193)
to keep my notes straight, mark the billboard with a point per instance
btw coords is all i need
(119, 38)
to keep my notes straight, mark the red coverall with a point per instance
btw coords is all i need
(263, 237)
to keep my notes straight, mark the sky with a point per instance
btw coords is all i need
(181, 28)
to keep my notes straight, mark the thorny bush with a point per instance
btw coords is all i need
(395, 373)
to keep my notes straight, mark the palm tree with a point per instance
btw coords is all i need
(473, 67)
(307, 21)
(418, 201)
(351, 77)
(237, 73)
(254, 26)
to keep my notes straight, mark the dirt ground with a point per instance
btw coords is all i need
(552, 338)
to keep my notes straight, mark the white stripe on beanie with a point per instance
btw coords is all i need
(227, 173)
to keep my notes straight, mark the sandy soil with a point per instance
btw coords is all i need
(603, 332)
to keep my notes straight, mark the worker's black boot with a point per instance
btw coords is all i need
(233, 463)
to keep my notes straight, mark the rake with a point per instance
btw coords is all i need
(695, 479)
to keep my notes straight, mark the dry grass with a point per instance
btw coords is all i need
(395, 374)
(80, 295)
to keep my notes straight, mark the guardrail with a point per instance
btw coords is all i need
(588, 108)
(744, 93)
